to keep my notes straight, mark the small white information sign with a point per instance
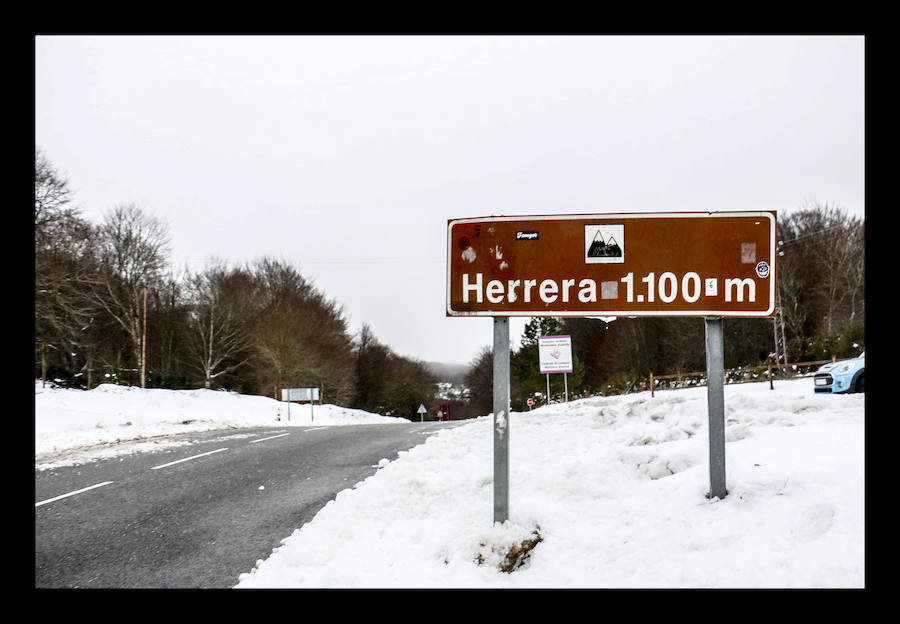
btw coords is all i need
(299, 394)
(555, 354)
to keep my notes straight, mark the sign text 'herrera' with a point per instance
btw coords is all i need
(653, 264)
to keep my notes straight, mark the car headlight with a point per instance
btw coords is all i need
(846, 368)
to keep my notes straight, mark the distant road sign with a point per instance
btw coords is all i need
(621, 264)
(299, 394)
(555, 354)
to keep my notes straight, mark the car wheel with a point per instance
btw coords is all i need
(861, 383)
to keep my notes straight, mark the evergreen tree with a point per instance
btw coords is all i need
(525, 376)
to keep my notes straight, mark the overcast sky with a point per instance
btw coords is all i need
(346, 155)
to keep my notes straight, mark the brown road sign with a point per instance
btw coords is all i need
(624, 264)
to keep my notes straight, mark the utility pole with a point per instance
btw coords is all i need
(780, 342)
(780, 345)
(144, 345)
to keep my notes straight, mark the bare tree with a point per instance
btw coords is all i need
(276, 338)
(821, 275)
(840, 248)
(301, 336)
(134, 249)
(681, 345)
(52, 196)
(409, 385)
(479, 380)
(373, 361)
(168, 324)
(219, 320)
(64, 269)
(388, 383)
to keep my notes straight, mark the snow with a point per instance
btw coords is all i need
(611, 491)
(73, 426)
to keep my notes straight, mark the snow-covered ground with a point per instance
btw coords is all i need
(611, 490)
(73, 426)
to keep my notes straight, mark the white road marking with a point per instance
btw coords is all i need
(188, 458)
(269, 438)
(56, 498)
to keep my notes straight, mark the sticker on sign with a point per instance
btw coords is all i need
(620, 264)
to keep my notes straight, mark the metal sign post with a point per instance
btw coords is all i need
(715, 397)
(501, 419)
(300, 394)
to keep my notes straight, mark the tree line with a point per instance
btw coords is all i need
(108, 310)
(820, 292)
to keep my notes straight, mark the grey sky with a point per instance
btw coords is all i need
(346, 155)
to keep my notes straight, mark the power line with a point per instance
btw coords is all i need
(362, 263)
(816, 233)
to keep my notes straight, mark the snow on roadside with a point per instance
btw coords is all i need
(615, 488)
(111, 420)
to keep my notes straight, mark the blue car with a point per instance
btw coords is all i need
(842, 377)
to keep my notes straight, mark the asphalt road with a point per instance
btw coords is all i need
(198, 516)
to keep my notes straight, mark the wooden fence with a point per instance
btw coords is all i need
(768, 372)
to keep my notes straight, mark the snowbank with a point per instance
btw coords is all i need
(605, 492)
(108, 415)
(615, 489)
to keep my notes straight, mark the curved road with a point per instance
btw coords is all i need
(200, 515)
